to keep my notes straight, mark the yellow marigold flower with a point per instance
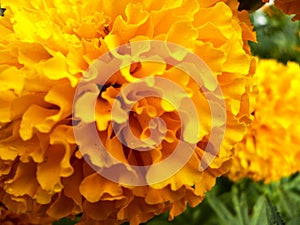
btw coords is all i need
(45, 48)
(270, 150)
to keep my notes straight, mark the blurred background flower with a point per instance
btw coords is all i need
(270, 150)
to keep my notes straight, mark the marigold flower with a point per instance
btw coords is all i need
(270, 150)
(9, 218)
(46, 47)
(289, 7)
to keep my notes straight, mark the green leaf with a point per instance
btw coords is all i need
(65, 221)
(277, 36)
(294, 221)
(259, 216)
(220, 209)
(160, 222)
(240, 206)
(274, 217)
(287, 203)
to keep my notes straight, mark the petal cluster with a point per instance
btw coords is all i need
(9, 218)
(270, 150)
(46, 47)
(289, 7)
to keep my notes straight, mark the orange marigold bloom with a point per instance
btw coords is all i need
(270, 150)
(45, 48)
(289, 7)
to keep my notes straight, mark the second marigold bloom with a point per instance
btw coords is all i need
(46, 48)
(270, 150)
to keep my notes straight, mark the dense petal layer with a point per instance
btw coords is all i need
(46, 47)
(270, 150)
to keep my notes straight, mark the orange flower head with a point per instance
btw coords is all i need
(48, 48)
(289, 7)
(9, 218)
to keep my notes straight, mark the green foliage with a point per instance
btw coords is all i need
(277, 36)
(244, 203)
(67, 221)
